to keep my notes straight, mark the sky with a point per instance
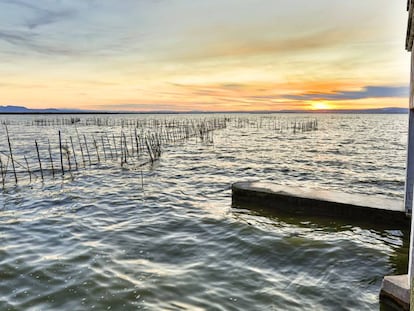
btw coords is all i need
(215, 55)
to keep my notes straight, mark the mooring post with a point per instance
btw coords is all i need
(409, 182)
(410, 256)
(398, 287)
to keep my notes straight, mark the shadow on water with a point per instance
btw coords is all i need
(390, 238)
(392, 234)
(388, 305)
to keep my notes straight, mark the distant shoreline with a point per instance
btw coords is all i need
(26, 111)
(207, 112)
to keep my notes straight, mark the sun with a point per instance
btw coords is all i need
(320, 106)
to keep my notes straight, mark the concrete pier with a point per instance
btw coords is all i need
(314, 202)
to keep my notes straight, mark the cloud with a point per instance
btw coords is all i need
(46, 17)
(223, 46)
(20, 4)
(232, 86)
(41, 16)
(365, 92)
(19, 27)
(29, 42)
(53, 29)
(138, 106)
(16, 37)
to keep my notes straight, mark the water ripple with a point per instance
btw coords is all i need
(167, 238)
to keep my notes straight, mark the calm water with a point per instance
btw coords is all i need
(98, 241)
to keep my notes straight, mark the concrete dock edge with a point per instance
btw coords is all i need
(316, 202)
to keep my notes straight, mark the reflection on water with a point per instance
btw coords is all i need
(98, 241)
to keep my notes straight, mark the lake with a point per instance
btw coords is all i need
(163, 235)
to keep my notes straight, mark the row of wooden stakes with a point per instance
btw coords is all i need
(277, 124)
(71, 153)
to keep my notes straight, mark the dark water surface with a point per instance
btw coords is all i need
(98, 241)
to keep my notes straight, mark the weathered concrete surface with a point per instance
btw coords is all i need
(396, 288)
(314, 202)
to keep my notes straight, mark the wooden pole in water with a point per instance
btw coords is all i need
(5, 169)
(122, 151)
(11, 154)
(116, 152)
(28, 169)
(2, 173)
(51, 159)
(149, 151)
(38, 158)
(87, 150)
(103, 147)
(61, 154)
(109, 144)
(81, 149)
(66, 147)
(125, 148)
(96, 148)
(73, 151)
(136, 142)
(132, 143)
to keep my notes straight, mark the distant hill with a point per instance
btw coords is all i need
(21, 109)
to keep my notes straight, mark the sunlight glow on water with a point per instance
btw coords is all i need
(98, 241)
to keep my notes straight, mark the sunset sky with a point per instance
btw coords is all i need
(216, 55)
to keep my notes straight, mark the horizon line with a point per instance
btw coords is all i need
(81, 111)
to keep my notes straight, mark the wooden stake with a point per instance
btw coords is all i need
(38, 158)
(2, 173)
(73, 151)
(87, 150)
(28, 169)
(96, 148)
(66, 148)
(116, 152)
(103, 147)
(11, 154)
(110, 147)
(136, 142)
(61, 154)
(149, 151)
(51, 159)
(126, 148)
